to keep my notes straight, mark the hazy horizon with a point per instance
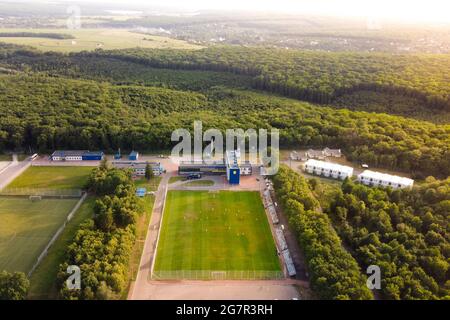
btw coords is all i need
(437, 11)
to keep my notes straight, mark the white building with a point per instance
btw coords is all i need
(378, 179)
(328, 169)
(139, 167)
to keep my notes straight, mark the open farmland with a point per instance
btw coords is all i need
(91, 39)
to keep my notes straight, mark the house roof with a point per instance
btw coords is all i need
(313, 152)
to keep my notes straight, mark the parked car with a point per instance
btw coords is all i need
(194, 176)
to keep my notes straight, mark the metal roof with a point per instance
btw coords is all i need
(329, 166)
(386, 177)
(69, 153)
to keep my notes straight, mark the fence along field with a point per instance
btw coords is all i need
(34, 210)
(221, 235)
(27, 227)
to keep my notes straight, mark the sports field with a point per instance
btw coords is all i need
(26, 227)
(91, 39)
(52, 178)
(215, 231)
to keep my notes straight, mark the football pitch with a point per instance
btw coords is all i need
(26, 228)
(214, 231)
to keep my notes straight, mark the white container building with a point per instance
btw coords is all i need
(378, 179)
(328, 169)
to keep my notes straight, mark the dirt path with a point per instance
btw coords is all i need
(12, 171)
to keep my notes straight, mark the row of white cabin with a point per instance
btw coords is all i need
(367, 177)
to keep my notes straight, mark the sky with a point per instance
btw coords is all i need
(401, 10)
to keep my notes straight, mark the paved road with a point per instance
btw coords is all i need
(13, 171)
(141, 284)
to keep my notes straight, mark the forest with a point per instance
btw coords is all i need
(404, 232)
(313, 76)
(47, 113)
(334, 273)
(413, 86)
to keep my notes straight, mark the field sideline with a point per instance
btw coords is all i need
(26, 228)
(226, 231)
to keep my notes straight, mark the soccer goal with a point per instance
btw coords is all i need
(35, 198)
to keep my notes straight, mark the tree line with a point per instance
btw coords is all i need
(49, 35)
(311, 76)
(102, 246)
(46, 113)
(333, 273)
(317, 77)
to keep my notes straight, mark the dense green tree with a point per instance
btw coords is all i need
(13, 286)
(149, 172)
(402, 231)
(334, 273)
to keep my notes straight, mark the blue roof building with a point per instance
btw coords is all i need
(92, 156)
(140, 192)
(134, 155)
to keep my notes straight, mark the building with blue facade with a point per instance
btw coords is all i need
(76, 155)
(134, 156)
(232, 167)
(92, 156)
(141, 192)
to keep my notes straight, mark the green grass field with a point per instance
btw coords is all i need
(52, 178)
(91, 39)
(226, 231)
(151, 185)
(26, 227)
(42, 281)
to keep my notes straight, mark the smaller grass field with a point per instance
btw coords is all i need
(151, 185)
(26, 228)
(42, 281)
(215, 231)
(52, 178)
